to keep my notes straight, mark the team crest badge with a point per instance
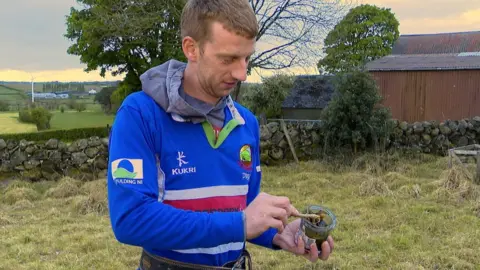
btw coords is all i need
(246, 157)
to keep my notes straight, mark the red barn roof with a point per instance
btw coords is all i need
(455, 61)
(441, 43)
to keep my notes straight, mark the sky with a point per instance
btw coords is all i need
(32, 41)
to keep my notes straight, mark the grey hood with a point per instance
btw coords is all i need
(164, 84)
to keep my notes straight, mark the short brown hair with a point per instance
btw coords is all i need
(236, 16)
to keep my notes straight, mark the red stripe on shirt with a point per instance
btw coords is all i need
(213, 204)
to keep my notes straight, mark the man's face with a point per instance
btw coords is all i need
(224, 61)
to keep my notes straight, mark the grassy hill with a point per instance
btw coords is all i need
(10, 94)
(23, 87)
(38, 87)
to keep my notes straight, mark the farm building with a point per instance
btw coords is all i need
(431, 77)
(308, 96)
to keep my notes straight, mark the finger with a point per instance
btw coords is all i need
(330, 243)
(275, 223)
(300, 248)
(313, 256)
(292, 211)
(325, 251)
(280, 201)
(280, 214)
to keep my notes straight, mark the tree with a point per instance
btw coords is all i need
(267, 98)
(123, 36)
(354, 116)
(103, 97)
(131, 36)
(291, 32)
(366, 33)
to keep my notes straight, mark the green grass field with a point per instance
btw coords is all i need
(412, 213)
(69, 119)
(9, 124)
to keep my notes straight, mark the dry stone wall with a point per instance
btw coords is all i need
(435, 137)
(87, 158)
(427, 137)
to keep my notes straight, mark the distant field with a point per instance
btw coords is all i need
(38, 87)
(70, 120)
(9, 94)
(25, 86)
(9, 121)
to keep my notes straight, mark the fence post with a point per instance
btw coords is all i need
(477, 176)
(292, 148)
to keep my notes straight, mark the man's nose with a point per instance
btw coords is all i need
(240, 71)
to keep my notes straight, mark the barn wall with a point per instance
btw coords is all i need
(430, 95)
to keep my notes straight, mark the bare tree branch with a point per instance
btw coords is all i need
(293, 31)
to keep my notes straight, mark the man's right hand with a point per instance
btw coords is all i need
(267, 211)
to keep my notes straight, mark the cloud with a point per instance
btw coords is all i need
(409, 9)
(432, 16)
(467, 21)
(31, 35)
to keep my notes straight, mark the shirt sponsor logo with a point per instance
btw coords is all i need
(127, 171)
(246, 157)
(180, 170)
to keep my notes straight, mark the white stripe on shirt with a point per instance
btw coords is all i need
(214, 250)
(206, 192)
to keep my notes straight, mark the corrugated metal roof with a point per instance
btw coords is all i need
(438, 43)
(425, 62)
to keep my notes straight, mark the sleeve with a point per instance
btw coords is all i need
(137, 216)
(265, 239)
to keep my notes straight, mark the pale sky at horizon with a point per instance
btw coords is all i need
(32, 40)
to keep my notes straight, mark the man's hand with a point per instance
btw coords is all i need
(286, 240)
(265, 212)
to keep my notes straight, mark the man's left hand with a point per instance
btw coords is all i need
(286, 240)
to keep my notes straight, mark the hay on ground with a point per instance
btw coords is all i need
(5, 220)
(17, 184)
(455, 184)
(395, 180)
(23, 204)
(93, 198)
(355, 177)
(17, 194)
(374, 186)
(409, 191)
(67, 187)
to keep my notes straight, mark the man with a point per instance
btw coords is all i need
(184, 163)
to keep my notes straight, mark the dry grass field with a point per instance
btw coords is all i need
(395, 213)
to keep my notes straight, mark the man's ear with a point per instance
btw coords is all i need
(190, 49)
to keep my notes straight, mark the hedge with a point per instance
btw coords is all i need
(66, 135)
